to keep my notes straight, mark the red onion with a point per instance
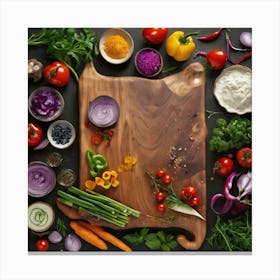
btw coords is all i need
(41, 179)
(55, 237)
(72, 243)
(103, 111)
(246, 39)
(42, 145)
(234, 203)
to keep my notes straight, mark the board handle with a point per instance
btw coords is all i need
(188, 244)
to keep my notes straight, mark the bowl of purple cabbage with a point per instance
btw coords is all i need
(45, 104)
(148, 62)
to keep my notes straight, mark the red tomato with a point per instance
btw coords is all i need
(42, 245)
(160, 173)
(194, 200)
(217, 59)
(34, 134)
(96, 139)
(57, 74)
(186, 193)
(155, 35)
(223, 166)
(167, 179)
(160, 197)
(244, 157)
(161, 207)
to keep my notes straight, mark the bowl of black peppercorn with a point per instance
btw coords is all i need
(61, 134)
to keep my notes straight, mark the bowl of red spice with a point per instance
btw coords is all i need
(148, 62)
(116, 45)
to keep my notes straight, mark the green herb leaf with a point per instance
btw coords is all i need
(153, 243)
(61, 228)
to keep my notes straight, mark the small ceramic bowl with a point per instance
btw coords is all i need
(122, 33)
(148, 62)
(41, 179)
(45, 104)
(61, 134)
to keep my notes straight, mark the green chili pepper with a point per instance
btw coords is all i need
(97, 163)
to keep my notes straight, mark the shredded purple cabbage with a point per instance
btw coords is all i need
(45, 103)
(148, 62)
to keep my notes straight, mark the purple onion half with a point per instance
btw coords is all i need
(103, 111)
(41, 179)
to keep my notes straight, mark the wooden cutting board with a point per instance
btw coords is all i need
(162, 123)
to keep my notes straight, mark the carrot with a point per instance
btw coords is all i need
(106, 236)
(88, 235)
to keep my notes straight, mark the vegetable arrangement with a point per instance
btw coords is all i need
(69, 50)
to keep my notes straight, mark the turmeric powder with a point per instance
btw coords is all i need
(116, 46)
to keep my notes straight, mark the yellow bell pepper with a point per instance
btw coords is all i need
(180, 46)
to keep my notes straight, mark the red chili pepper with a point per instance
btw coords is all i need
(211, 36)
(246, 56)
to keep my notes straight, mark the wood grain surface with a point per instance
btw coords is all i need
(162, 123)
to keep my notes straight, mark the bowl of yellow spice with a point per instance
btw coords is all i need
(116, 45)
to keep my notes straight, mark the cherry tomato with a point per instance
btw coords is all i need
(42, 245)
(223, 166)
(167, 179)
(57, 74)
(194, 200)
(161, 207)
(187, 193)
(160, 173)
(217, 59)
(96, 139)
(34, 134)
(155, 35)
(160, 197)
(244, 157)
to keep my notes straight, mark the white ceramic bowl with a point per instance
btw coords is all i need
(59, 127)
(125, 35)
(41, 117)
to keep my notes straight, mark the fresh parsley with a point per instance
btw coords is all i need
(67, 45)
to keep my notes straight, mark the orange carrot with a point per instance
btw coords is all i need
(106, 236)
(88, 235)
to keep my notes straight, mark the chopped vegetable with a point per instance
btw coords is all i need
(45, 103)
(72, 242)
(232, 134)
(106, 236)
(180, 45)
(98, 205)
(88, 235)
(67, 46)
(154, 241)
(35, 69)
(96, 162)
(148, 62)
(246, 39)
(232, 234)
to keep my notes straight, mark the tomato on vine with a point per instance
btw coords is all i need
(160, 197)
(194, 200)
(160, 173)
(161, 207)
(167, 179)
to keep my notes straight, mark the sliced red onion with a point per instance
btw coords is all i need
(226, 207)
(72, 242)
(42, 145)
(228, 185)
(103, 111)
(244, 184)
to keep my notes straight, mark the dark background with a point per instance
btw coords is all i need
(71, 113)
